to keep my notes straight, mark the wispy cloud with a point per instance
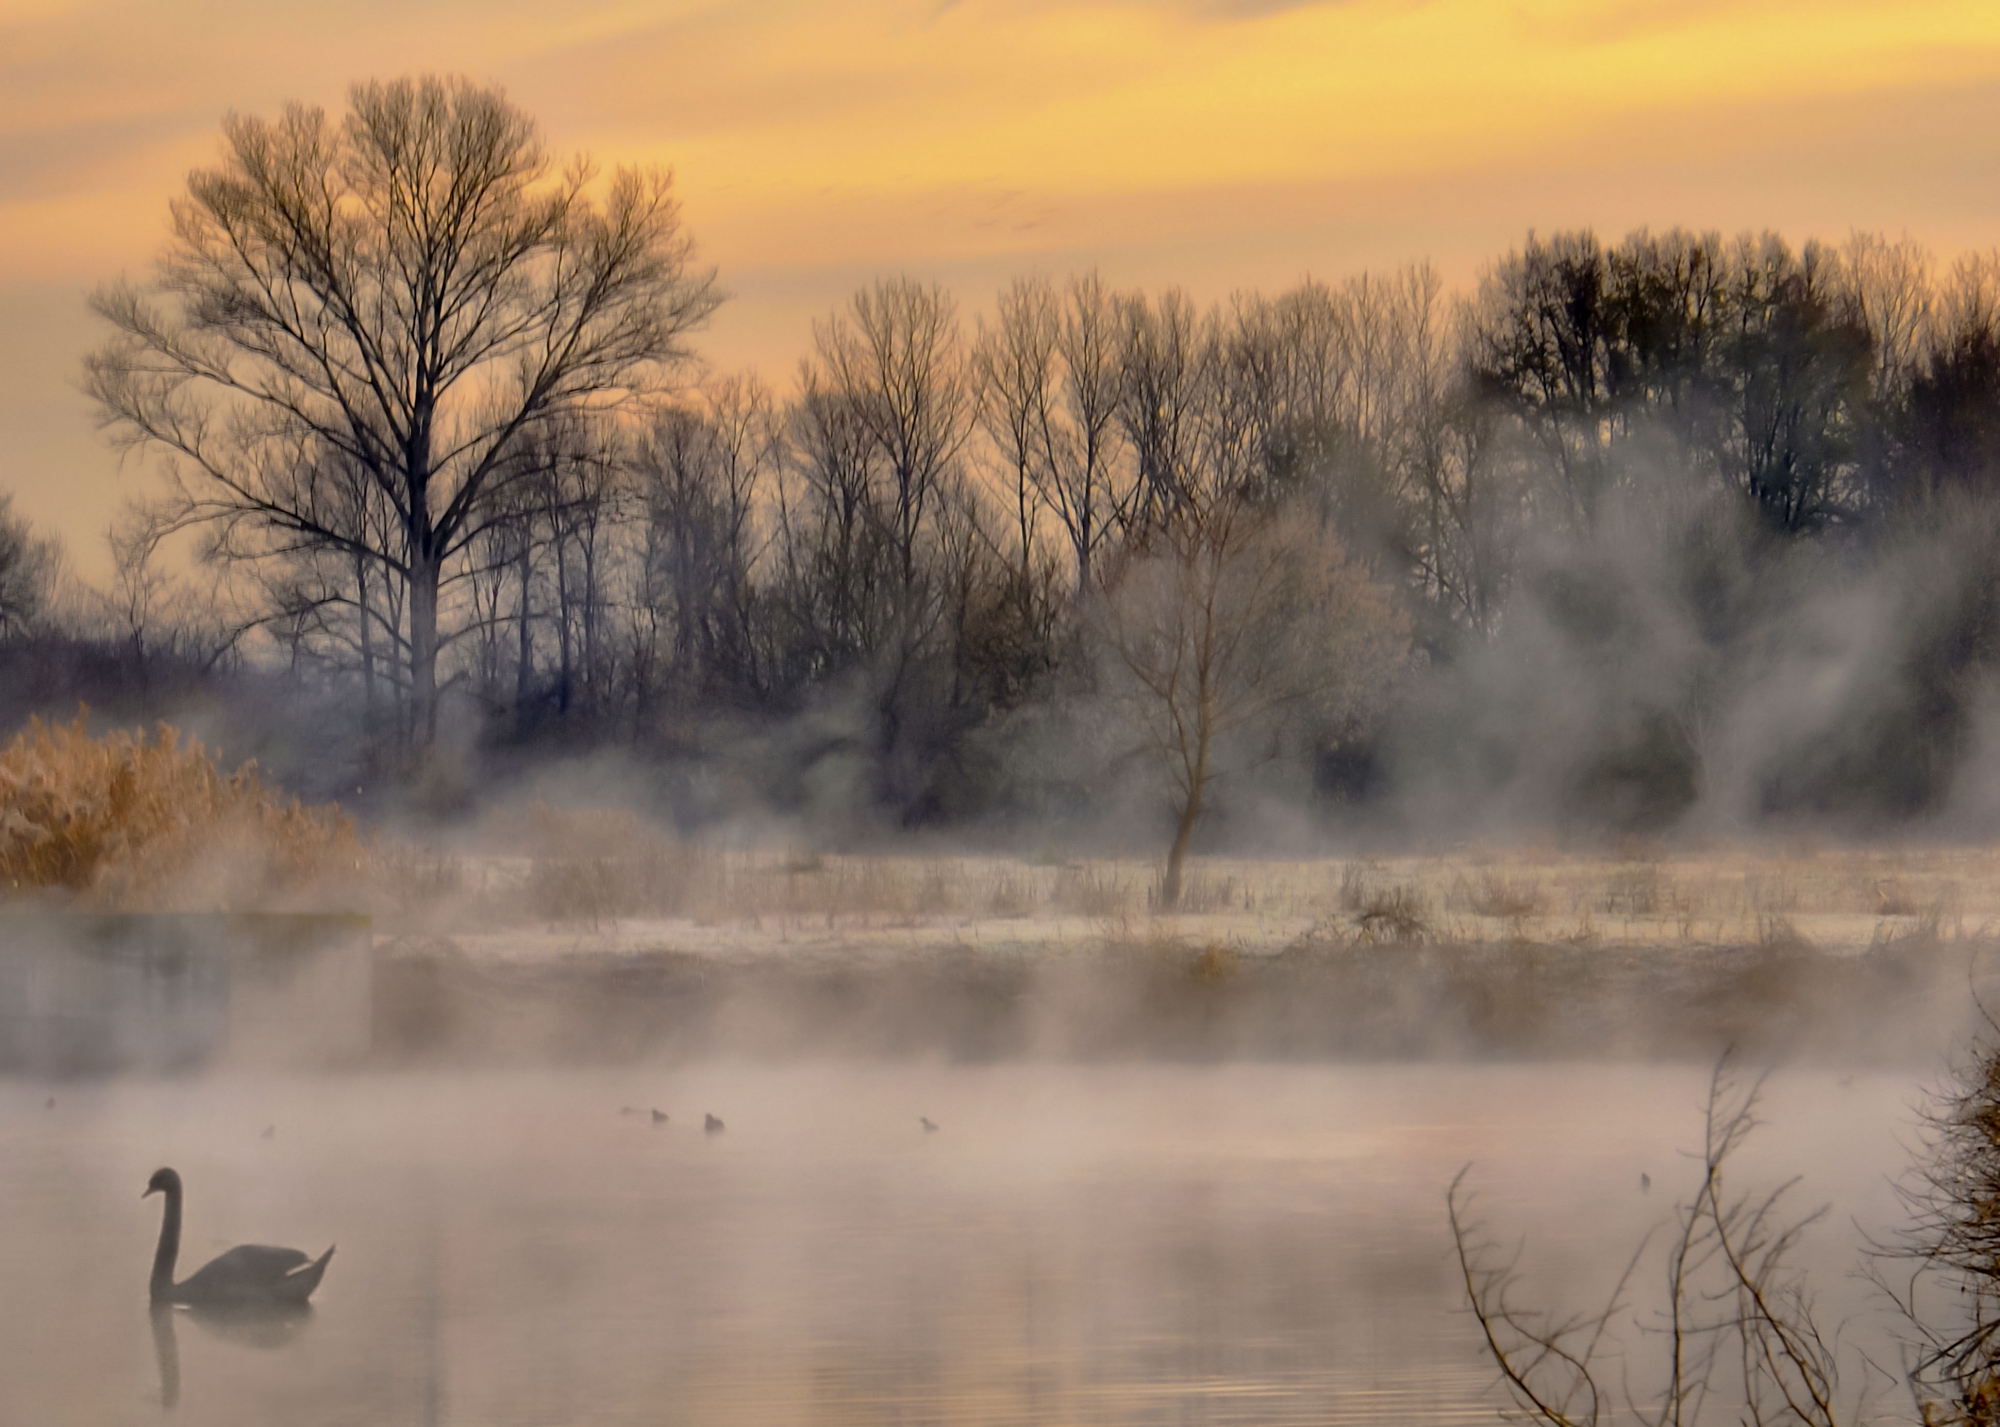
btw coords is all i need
(61, 159)
(778, 104)
(1211, 142)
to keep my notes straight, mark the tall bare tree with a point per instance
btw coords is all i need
(1950, 408)
(414, 289)
(1889, 288)
(1049, 380)
(574, 475)
(895, 359)
(1167, 357)
(1802, 359)
(1541, 338)
(833, 568)
(699, 474)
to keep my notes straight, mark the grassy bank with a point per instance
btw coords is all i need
(1897, 1003)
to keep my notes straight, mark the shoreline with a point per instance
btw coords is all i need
(1153, 997)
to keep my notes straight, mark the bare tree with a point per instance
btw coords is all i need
(412, 290)
(701, 473)
(1540, 337)
(1166, 363)
(29, 565)
(575, 494)
(161, 617)
(1232, 617)
(834, 570)
(1801, 359)
(1049, 378)
(895, 359)
(1888, 287)
(336, 608)
(1472, 512)
(1346, 395)
(1948, 410)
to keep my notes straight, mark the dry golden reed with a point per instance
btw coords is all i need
(129, 821)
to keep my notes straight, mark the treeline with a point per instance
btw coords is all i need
(1686, 528)
(143, 645)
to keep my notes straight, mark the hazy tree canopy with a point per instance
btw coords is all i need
(1947, 441)
(1235, 619)
(359, 325)
(1752, 360)
(1676, 527)
(28, 568)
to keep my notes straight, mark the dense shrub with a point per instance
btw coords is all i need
(125, 820)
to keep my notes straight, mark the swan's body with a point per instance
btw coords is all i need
(248, 1274)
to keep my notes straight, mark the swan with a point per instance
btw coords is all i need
(659, 1118)
(710, 1124)
(930, 1128)
(247, 1274)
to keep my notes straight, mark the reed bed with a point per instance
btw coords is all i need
(137, 821)
(124, 820)
(593, 869)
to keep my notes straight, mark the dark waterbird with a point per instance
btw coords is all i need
(711, 1125)
(248, 1275)
(659, 1117)
(925, 1121)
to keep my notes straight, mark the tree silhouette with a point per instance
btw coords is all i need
(411, 292)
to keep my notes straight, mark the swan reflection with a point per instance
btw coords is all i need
(250, 1325)
(168, 1351)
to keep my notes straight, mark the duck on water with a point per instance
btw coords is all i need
(248, 1275)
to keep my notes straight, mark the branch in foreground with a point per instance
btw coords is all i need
(1736, 1332)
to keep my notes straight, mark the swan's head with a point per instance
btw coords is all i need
(164, 1181)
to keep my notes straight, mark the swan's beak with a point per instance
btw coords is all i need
(148, 1192)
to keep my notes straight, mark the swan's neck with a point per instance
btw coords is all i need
(170, 1246)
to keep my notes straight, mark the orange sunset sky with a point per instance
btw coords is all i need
(1216, 144)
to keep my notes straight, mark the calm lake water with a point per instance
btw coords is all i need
(1248, 1244)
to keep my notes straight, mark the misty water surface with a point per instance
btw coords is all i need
(1099, 1245)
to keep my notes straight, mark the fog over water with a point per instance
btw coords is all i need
(1105, 1244)
(1003, 876)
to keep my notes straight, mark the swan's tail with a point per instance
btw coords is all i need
(300, 1283)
